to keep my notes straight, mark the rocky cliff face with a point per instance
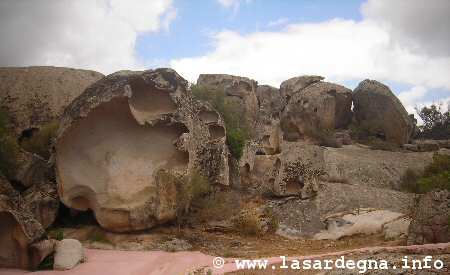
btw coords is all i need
(130, 145)
(34, 96)
(126, 143)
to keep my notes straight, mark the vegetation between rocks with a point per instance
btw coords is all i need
(190, 189)
(238, 131)
(256, 221)
(436, 122)
(40, 140)
(435, 176)
(38, 143)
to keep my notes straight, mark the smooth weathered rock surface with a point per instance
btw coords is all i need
(317, 109)
(431, 219)
(397, 229)
(240, 91)
(362, 221)
(376, 168)
(292, 172)
(305, 217)
(294, 85)
(18, 228)
(68, 254)
(129, 141)
(34, 96)
(380, 112)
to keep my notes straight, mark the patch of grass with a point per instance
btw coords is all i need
(238, 131)
(56, 233)
(40, 141)
(47, 263)
(436, 175)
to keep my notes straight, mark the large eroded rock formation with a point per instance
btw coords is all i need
(128, 139)
(238, 90)
(294, 85)
(380, 112)
(34, 96)
(315, 109)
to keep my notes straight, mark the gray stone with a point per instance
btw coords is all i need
(317, 110)
(380, 112)
(68, 254)
(35, 96)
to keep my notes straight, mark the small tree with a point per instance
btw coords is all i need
(238, 131)
(436, 122)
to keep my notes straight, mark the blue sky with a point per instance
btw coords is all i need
(402, 43)
(189, 31)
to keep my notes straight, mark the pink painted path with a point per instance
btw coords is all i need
(114, 262)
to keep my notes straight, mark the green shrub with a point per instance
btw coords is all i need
(56, 233)
(441, 163)
(440, 181)
(40, 141)
(250, 222)
(189, 190)
(435, 176)
(47, 263)
(9, 149)
(236, 138)
(436, 122)
(198, 186)
(410, 181)
(238, 131)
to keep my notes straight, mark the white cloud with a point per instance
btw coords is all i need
(279, 22)
(422, 26)
(413, 98)
(233, 4)
(338, 49)
(99, 35)
(380, 46)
